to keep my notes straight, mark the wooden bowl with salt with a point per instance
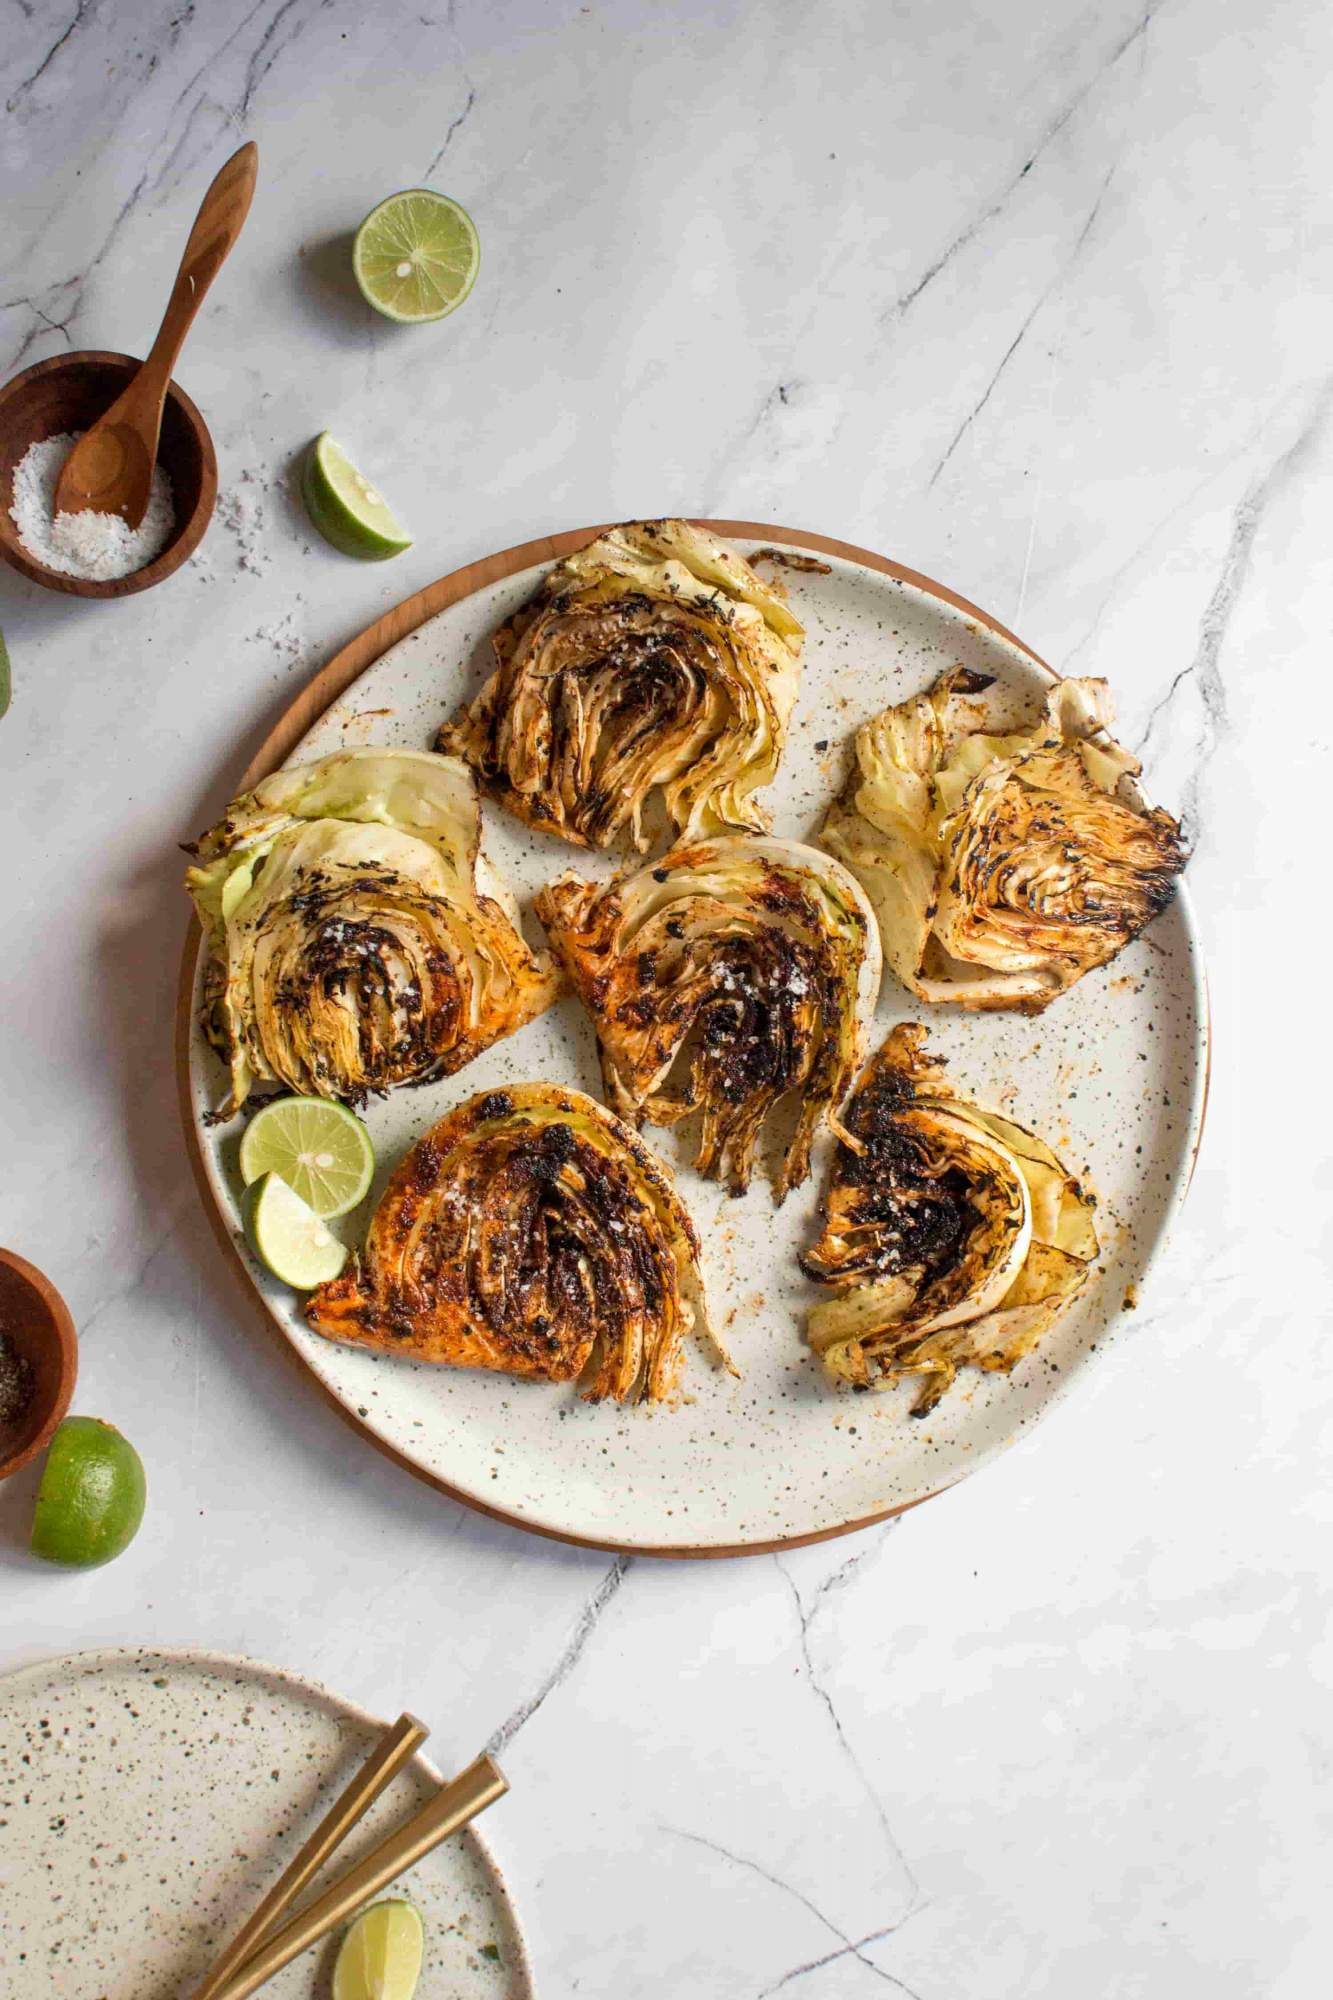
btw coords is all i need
(69, 393)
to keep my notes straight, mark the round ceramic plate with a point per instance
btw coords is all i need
(148, 1799)
(1112, 1076)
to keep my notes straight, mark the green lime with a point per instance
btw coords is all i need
(296, 1244)
(346, 508)
(416, 256)
(322, 1152)
(4, 675)
(380, 1957)
(91, 1499)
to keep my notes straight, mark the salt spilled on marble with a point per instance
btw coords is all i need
(96, 546)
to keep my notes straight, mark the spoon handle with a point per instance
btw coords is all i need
(110, 469)
(221, 214)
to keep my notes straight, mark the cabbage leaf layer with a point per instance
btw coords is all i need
(1001, 867)
(723, 979)
(357, 937)
(954, 1237)
(532, 1233)
(653, 658)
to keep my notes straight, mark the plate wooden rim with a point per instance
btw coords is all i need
(324, 688)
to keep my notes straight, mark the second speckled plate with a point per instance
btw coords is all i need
(1113, 1076)
(148, 1799)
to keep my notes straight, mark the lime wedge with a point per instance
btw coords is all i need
(416, 255)
(91, 1499)
(295, 1244)
(346, 508)
(380, 1957)
(322, 1152)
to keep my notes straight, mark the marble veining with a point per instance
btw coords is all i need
(1037, 301)
(586, 1624)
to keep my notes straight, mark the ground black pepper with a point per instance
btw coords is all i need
(16, 1383)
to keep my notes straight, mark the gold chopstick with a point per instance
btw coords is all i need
(379, 1770)
(452, 1807)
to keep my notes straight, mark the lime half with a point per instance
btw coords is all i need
(348, 511)
(322, 1152)
(91, 1499)
(294, 1242)
(416, 256)
(380, 1957)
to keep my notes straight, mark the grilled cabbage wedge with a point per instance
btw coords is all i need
(1002, 867)
(728, 976)
(955, 1237)
(357, 937)
(653, 658)
(532, 1233)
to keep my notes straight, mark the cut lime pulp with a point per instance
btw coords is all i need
(293, 1242)
(320, 1149)
(416, 256)
(380, 1957)
(348, 511)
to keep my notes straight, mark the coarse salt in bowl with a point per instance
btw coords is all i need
(86, 544)
(68, 394)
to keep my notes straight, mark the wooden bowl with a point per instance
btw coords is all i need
(70, 392)
(37, 1322)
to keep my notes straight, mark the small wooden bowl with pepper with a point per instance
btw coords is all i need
(39, 1360)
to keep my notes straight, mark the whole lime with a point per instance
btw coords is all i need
(91, 1499)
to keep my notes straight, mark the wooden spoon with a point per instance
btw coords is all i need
(110, 469)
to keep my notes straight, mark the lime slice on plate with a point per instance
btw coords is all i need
(416, 256)
(91, 1499)
(296, 1244)
(322, 1152)
(380, 1957)
(348, 511)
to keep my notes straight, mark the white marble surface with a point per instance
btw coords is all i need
(1039, 300)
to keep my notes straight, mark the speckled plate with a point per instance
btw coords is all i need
(147, 1799)
(1113, 1076)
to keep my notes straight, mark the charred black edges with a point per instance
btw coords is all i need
(952, 1237)
(350, 947)
(528, 1232)
(1002, 867)
(903, 1214)
(738, 973)
(653, 660)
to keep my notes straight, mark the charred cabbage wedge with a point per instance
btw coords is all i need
(954, 1237)
(1002, 867)
(357, 938)
(655, 657)
(529, 1232)
(724, 978)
